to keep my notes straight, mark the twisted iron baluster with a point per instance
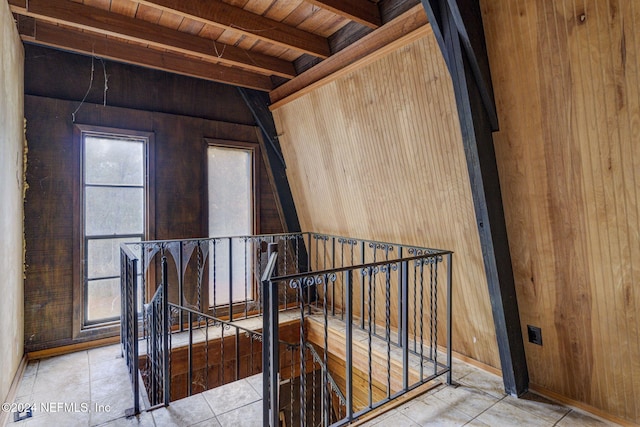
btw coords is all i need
(388, 326)
(421, 316)
(434, 286)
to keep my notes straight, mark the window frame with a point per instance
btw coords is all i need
(256, 160)
(81, 328)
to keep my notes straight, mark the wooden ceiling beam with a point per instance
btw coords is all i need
(222, 15)
(361, 11)
(48, 34)
(131, 29)
(406, 25)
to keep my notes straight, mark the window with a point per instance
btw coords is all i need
(231, 169)
(113, 209)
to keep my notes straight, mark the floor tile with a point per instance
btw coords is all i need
(183, 412)
(578, 419)
(144, 419)
(465, 399)
(256, 382)
(110, 398)
(231, 396)
(503, 413)
(395, 419)
(245, 416)
(433, 412)
(539, 406)
(484, 381)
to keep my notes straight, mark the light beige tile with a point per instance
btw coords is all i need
(503, 413)
(539, 406)
(395, 419)
(26, 386)
(183, 412)
(433, 412)
(245, 416)
(465, 399)
(110, 398)
(67, 362)
(101, 354)
(144, 419)
(211, 422)
(31, 369)
(486, 382)
(256, 382)
(578, 419)
(231, 396)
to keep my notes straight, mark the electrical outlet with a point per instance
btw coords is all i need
(535, 334)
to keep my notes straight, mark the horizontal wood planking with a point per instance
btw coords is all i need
(99, 45)
(567, 83)
(140, 31)
(377, 154)
(246, 23)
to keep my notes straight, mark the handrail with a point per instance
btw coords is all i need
(359, 266)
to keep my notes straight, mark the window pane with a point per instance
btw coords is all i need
(230, 190)
(114, 211)
(113, 161)
(230, 195)
(103, 299)
(103, 256)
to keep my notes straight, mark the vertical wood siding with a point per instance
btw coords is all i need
(377, 154)
(567, 81)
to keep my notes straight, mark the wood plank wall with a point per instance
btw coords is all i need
(179, 173)
(566, 75)
(377, 154)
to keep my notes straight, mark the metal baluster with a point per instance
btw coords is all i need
(246, 283)
(449, 315)
(371, 273)
(190, 354)
(206, 354)
(421, 261)
(325, 379)
(237, 354)
(215, 285)
(388, 326)
(349, 344)
(230, 279)
(303, 370)
(435, 315)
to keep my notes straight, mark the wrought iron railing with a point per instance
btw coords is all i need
(387, 293)
(396, 349)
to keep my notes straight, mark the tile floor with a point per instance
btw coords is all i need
(91, 388)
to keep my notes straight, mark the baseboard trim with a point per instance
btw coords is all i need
(65, 349)
(13, 389)
(574, 404)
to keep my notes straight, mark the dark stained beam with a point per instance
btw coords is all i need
(100, 21)
(84, 42)
(473, 41)
(476, 126)
(361, 11)
(258, 103)
(222, 15)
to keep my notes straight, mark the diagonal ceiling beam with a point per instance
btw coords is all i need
(222, 15)
(84, 42)
(361, 11)
(131, 29)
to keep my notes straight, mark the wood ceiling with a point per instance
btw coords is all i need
(259, 44)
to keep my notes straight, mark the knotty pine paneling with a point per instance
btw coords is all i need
(377, 154)
(566, 75)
